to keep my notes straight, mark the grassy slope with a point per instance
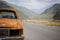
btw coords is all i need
(49, 13)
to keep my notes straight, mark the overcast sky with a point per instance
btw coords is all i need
(37, 6)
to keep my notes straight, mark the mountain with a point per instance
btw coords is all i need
(4, 4)
(24, 10)
(21, 13)
(51, 13)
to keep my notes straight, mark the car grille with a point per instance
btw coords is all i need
(4, 32)
(9, 32)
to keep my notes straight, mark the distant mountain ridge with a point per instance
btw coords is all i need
(20, 13)
(4, 4)
(49, 13)
(25, 10)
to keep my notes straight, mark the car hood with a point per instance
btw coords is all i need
(9, 23)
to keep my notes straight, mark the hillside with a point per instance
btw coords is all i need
(24, 10)
(51, 13)
(4, 4)
(21, 14)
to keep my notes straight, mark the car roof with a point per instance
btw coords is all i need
(10, 9)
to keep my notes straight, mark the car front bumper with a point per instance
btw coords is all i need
(11, 34)
(12, 38)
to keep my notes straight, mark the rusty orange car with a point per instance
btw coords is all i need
(10, 24)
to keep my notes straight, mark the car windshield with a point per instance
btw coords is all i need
(7, 14)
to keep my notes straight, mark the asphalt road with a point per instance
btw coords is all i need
(41, 32)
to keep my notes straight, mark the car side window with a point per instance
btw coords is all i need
(6, 14)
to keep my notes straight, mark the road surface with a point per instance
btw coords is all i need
(40, 32)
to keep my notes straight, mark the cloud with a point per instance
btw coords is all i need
(47, 0)
(58, 1)
(34, 5)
